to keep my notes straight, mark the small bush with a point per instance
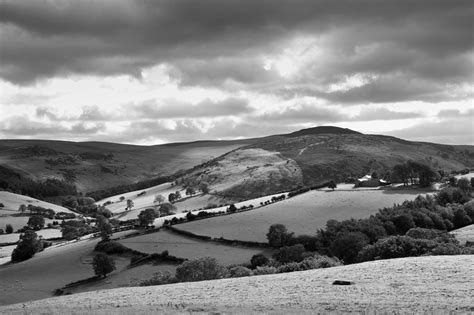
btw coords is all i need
(288, 254)
(160, 278)
(240, 271)
(258, 260)
(265, 270)
(8, 229)
(206, 268)
(111, 248)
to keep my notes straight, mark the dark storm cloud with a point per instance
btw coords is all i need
(45, 38)
(206, 108)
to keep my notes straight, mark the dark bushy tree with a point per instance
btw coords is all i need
(146, 217)
(28, 245)
(103, 265)
(36, 222)
(346, 246)
(278, 235)
(8, 229)
(258, 260)
(288, 254)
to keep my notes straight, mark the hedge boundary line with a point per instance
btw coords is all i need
(219, 240)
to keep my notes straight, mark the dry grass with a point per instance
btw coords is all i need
(437, 284)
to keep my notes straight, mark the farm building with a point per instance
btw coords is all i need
(368, 181)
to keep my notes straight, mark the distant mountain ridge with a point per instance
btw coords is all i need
(256, 166)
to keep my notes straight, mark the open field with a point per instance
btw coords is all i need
(435, 284)
(468, 176)
(465, 234)
(13, 201)
(45, 233)
(189, 248)
(303, 214)
(53, 268)
(124, 278)
(18, 222)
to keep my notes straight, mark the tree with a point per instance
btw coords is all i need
(171, 197)
(166, 209)
(159, 199)
(177, 195)
(278, 235)
(204, 187)
(22, 209)
(464, 185)
(472, 182)
(36, 222)
(146, 217)
(288, 254)
(258, 260)
(190, 191)
(105, 227)
(400, 173)
(130, 204)
(332, 184)
(27, 247)
(347, 245)
(103, 265)
(8, 229)
(232, 208)
(200, 269)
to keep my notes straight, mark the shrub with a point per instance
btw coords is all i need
(200, 269)
(258, 260)
(103, 265)
(396, 247)
(446, 249)
(288, 254)
(240, 271)
(8, 229)
(159, 278)
(320, 261)
(289, 267)
(265, 270)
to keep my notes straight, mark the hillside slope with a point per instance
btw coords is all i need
(82, 163)
(406, 285)
(286, 162)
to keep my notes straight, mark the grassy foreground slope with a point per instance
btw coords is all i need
(406, 285)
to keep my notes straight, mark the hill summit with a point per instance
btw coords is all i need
(319, 130)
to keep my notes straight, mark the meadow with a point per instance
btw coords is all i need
(185, 247)
(302, 214)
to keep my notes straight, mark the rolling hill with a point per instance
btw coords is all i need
(436, 284)
(281, 163)
(236, 169)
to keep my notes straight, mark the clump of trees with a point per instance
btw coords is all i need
(36, 222)
(414, 173)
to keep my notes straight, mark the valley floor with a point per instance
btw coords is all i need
(397, 286)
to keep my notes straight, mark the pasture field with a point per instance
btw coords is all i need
(415, 285)
(45, 233)
(36, 278)
(18, 222)
(184, 247)
(13, 201)
(302, 214)
(465, 234)
(468, 176)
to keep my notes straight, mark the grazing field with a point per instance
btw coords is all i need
(18, 222)
(420, 285)
(465, 234)
(53, 268)
(189, 248)
(46, 234)
(468, 176)
(303, 214)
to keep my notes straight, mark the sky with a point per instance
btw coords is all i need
(150, 72)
